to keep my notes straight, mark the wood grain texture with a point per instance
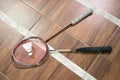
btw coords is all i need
(90, 31)
(56, 14)
(110, 6)
(19, 12)
(104, 69)
(68, 10)
(61, 12)
(95, 30)
(45, 28)
(7, 43)
(115, 43)
(63, 73)
(3, 77)
(62, 41)
(41, 72)
(48, 67)
(44, 71)
(107, 67)
(82, 60)
(43, 6)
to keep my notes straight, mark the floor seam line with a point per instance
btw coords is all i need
(4, 76)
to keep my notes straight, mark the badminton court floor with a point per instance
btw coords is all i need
(43, 18)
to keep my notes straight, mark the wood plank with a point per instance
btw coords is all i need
(3, 77)
(61, 12)
(66, 12)
(51, 64)
(82, 60)
(19, 12)
(44, 70)
(63, 73)
(112, 8)
(90, 30)
(115, 43)
(104, 69)
(8, 39)
(93, 30)
(44, 6)
(44, 29)
(107, 67)
(40, 72)
(62, 41)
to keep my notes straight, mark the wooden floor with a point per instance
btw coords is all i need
(46, 17)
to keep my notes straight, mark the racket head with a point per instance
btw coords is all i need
(39, 53)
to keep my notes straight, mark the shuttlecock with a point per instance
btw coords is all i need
(28, 48)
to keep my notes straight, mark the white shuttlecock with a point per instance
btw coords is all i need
(28, 48)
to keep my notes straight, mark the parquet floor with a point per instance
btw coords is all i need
(44, 18)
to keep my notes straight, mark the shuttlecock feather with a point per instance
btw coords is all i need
(28, 48)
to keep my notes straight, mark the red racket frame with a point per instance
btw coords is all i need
(22, 65)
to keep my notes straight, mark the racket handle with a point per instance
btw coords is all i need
(95, 49)
(81, 17)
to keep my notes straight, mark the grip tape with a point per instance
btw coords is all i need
(83, 16)
(95, 49)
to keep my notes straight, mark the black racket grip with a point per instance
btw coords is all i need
(95, 49)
